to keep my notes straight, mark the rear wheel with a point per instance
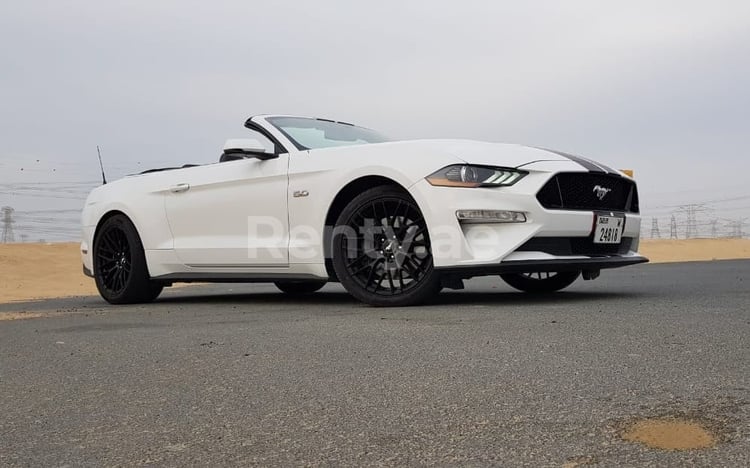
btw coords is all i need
(299, 288)
(541, 281)
(381, 249)
(120, 270)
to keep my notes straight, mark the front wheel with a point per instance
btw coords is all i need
(120, 270)
(541, 282)
(299, 288)
(381, 249)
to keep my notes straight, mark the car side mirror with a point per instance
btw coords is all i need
(247, 148)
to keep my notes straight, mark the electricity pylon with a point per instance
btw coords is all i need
(8, 224)
(673, 228)
(655, 229)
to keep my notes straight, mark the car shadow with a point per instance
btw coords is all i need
(442, 299)
(200, 296)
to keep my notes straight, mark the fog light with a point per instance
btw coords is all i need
(490, 216)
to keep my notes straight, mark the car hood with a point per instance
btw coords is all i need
(484, 153)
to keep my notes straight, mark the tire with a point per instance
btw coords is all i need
(120, 270)
(381, 249)
(299, 288)
(541, 282)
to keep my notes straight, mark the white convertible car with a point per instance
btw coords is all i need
(304, 201)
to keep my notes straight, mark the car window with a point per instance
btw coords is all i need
(316, 138)
(308, 133)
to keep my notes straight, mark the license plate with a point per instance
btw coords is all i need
(608, 229)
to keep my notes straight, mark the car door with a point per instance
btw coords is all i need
(231, 216)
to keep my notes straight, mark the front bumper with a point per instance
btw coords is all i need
(557, 265)
(503, 247)
(87, 256)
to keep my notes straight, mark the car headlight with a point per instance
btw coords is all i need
(466, 175)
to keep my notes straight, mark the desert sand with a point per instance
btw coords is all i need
(694, 250)
(37, 271)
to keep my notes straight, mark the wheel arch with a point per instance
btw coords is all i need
(128, 212)
(344, 195)
(103, 218)
(110, 214)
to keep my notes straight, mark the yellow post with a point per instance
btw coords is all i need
(627, 172)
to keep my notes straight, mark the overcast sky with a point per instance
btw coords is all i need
(661, 87)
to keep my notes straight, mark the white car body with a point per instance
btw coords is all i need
(196, 223)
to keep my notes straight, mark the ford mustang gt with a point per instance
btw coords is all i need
(305, 201)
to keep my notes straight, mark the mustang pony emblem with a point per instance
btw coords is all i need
(601, 192)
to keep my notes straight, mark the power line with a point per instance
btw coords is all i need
(691, 213)
(713, 224)
(736, 227)
(720, 200)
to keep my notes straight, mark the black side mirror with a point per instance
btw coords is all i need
(246, 148)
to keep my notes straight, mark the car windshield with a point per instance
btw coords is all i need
(320, 133)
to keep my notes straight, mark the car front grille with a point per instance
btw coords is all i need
(583, 191)
(562, 246)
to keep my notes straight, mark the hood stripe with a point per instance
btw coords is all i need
(607, 169)
(588, 164)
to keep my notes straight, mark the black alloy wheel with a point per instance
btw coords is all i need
(120, 269)
(115, 260)
(541, 281)
(381, 249)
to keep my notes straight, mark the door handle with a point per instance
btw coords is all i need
(179, 188)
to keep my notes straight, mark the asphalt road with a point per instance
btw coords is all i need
(240, 374)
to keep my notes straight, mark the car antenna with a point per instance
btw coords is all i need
(104, 179)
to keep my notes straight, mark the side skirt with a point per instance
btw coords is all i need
(200, 277)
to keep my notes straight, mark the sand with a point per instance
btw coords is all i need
(693, 250)
(20, 315)
(37, 271)
(670, 434)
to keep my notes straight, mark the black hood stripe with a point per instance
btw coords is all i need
(608, 169)
(588, 164)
